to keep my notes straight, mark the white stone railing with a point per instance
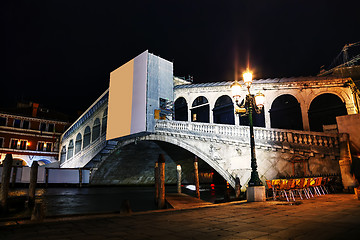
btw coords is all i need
(241, 133)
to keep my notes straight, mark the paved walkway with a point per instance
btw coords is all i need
(326, 217)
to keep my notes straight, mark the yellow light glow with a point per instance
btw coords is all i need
(235, 90)
(28, 144)
(247, 76)
(45, 145)
(260, 100)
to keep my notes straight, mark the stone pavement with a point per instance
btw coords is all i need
(334, 216)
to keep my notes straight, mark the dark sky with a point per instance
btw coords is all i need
(60, 53)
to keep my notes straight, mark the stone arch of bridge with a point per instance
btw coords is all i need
(175, 141)
(345, 98)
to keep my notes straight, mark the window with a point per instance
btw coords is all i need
(48, 146)
(2, 121)
(17, 123)
(78, 143)
(14, 143)
(41, 146)
(87, 135)
(42, 126)
(23, 144)
(96, 129)
(26, 124)
(63, 155)
(1, 142)
(51, 127)
(70, 149)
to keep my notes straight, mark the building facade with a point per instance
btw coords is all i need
(29, 137)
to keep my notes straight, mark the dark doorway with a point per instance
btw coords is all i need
(223, 111)
(181, 109)
(200, 110)
(285, 113)
(323, 111)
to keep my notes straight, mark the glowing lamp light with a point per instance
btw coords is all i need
(247, 76)
(260, 100)
(28, 144)
(45, 145)
(235, 90)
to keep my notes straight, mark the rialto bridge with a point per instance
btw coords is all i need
(289, 134)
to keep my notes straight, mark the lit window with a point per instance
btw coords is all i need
(14, 143)
(41, 146)
(48, 147)
(23, 144)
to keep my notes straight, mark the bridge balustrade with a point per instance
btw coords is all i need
(241, 133)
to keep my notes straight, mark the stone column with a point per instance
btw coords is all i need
(267, 115)
(237, 119)
(345, 162)
(211, 113)
(305, 117)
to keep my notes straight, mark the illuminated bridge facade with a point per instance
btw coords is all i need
(295, 134)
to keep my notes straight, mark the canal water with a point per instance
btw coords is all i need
(71, 200)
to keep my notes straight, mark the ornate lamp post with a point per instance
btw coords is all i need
(251, 103)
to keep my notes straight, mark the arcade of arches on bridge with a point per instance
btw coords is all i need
(297, 104)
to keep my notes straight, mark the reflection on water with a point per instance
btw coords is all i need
(64, 201)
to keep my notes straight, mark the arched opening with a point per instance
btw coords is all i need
(78, 143)
(285, 113)
(87, 135)
(63, 155)
(181, 109)
(200, 110)
(96, 129)
(70, 150)
(223, 111)
(324, 109)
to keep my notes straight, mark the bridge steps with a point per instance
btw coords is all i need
(183, 201)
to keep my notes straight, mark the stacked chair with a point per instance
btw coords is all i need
(293, 188)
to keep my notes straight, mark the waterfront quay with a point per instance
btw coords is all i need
(333, 216)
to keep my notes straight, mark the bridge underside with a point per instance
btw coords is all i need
(134, 164)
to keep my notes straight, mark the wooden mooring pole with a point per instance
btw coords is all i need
(161, 203)
(156, 176)
(5, 180)
(33, 181)
(196, 177)
(178, 170)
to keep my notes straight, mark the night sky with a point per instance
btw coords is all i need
(61, 53)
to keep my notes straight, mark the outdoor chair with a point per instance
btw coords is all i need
(272, 187)
(300, 187)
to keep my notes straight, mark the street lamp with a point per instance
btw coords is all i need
(246, 108)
